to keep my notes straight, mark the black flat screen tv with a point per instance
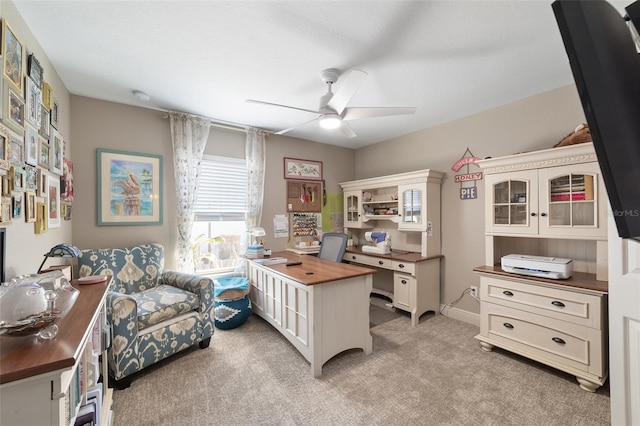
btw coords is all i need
(606, 70)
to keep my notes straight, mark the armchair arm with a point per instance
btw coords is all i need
(197, 284)
(122, 317)
(203, 287)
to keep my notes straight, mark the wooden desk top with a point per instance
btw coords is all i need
(314, 270)
(27, 356)
(577, 279)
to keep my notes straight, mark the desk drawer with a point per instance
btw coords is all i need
(540, 337)
(377, 262)
(572, 305)
(406, 267)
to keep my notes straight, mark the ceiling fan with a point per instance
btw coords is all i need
(333, 113)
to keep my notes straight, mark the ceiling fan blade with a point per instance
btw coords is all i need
(346, 130)
(348, 88)
(282, 132)
(253, 101)
(363, 112)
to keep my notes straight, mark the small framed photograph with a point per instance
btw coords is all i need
(40, 226)
(4, 149)
(66, 182)
(56, 152)
(41, 183)
(12, 57)
(55, 111)
(45, 122)
(53, 198)
(44, 159)
(31, 146)
(30, 206)
(5, 210)
(30, 178)
(14, 107)
(294, 168)
(33, 104)
(47, 96)
(17, 206)
(16, 149)
(17, 178)
(6, 185)
(35, 71)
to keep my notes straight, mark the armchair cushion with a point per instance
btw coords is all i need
(163, 302)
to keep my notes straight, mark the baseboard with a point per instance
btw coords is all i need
(459, 314)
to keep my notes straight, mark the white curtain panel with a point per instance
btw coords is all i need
(189, 135)
(255, 156)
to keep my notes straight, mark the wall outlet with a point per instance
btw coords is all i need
(474, 291)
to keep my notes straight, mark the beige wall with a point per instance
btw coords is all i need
(530, 124)
(25, 248)
(100, 124)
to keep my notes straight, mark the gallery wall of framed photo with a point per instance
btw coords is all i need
(37, 176)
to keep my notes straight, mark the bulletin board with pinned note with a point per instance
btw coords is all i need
(304, 196)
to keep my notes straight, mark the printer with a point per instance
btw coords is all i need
(538, 266)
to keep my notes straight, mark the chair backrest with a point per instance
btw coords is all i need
(133, 269)
(333, 246)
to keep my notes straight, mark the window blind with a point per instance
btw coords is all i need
(222, 189)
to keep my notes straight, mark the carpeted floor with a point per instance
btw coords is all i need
(433, 374)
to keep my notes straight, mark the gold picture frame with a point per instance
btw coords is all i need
(47, 96)
(30, 206)
(12, 57)
(40, 225)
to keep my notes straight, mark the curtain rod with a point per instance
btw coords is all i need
(214, 123)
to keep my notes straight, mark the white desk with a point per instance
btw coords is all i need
(320, 306)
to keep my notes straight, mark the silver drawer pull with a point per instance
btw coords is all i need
(558, 340)
(353, 257)
(507, 293)
(558, 303)
(401, 266)
(380, 262)
(508, 325)
(403, 281)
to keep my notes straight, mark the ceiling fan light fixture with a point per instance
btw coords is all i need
(330, 121)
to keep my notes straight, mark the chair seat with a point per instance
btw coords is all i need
(162, 302)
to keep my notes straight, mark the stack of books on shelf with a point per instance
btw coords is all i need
(572, 188)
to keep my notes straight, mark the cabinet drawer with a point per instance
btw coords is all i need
(568, 305)
(377, 262)
(554, 341)
(406, 267)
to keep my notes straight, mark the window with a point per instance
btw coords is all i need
(220, 211)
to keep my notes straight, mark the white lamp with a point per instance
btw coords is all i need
(330, 120)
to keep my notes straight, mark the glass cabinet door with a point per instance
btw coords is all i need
(571, 201)
(511, 202)
(412, 206)
(510, 205)
(352, 208)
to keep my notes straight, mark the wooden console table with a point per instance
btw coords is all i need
(320, 306)
(36, 376)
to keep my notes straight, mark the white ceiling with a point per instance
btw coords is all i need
(449, 59)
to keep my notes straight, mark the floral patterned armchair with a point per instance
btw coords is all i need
(151, 313)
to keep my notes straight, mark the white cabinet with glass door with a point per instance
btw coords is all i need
(565, 201)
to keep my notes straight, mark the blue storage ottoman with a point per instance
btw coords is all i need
(232, 304)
